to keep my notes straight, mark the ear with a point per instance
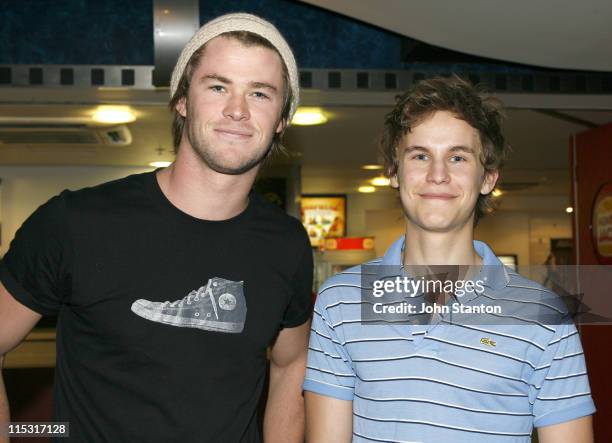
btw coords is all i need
(282, 124)
(394, 182)
(490, 179)
(181, 107)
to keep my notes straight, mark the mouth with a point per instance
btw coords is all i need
(234, 134)
(437, 196)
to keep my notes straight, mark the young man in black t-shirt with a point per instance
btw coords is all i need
(170, 286)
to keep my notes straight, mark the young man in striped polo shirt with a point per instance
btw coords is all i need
(497, 358)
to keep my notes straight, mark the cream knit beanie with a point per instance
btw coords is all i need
(240, 22)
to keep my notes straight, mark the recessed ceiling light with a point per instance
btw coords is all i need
(308, 117)
(380, 181)
(372, 167)
(569, 209)
(160, 164)
(496, 193)
(366, 189)
(114, 115)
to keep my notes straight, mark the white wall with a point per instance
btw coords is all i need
(542, 227)
(506, 233)
(359, 204)
(386, 225)
(524, 233)
(25, 188)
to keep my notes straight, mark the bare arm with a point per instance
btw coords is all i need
(328, 419)
(15, 322)
(574, 431)
(284, 417)
(4, 407)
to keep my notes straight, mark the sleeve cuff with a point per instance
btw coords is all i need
(21, 295)
(299, 321)
(335, 391)
(567, 414)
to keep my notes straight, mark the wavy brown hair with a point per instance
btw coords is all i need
(248, 39)
(452, 94)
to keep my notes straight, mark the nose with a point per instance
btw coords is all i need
(236, 108)
(438, 172)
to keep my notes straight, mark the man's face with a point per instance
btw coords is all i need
(440, 175)
(234, 105)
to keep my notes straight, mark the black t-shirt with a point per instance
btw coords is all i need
(89, 255)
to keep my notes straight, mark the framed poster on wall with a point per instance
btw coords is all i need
(323, 216)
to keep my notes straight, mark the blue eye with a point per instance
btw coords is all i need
(457, 158)
(420, 157)
(258, 94)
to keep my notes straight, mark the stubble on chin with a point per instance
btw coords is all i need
(206, 152)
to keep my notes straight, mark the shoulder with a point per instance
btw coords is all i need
(275, 219)
(532, 291)
(532, 303)
(265, 208)
(108, 195)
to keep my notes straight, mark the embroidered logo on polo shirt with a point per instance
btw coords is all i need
(487, 341)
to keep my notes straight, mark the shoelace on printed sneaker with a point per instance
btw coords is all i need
(195, 294)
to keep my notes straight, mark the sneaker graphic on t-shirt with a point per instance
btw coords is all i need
(219, 306)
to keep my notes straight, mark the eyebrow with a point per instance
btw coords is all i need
(415, 148)
(458, 148)
(217, 77)
(264, 85)
(463, 149)
(227, 81)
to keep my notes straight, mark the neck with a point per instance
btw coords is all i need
(424, 248)
(191, 186)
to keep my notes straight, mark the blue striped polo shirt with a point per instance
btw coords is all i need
(449, 380)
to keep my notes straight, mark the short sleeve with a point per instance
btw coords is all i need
(329, 370)
(299, 308)
(36, 268)
(560, 384)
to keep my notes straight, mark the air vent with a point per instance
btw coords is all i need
(118, 135)
(68, 134)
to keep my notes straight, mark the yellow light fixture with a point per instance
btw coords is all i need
(366, 189)
(569, 209)
(372, 167)
(380, 181)
(160, 164)
(496, 193)
(113, 115)
(309, 117)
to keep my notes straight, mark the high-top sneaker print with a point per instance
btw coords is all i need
(218, 306)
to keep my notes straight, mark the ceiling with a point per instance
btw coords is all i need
(563, 34)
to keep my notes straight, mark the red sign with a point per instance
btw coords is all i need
(602, 224)
(349, 243)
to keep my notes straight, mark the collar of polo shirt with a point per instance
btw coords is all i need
(493, 272)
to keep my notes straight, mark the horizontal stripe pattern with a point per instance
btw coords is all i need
(439, 403)
(446, 381)
(441, 425)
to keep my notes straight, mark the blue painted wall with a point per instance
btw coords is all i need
(319, 38)
(120, 32)
(113, 32)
